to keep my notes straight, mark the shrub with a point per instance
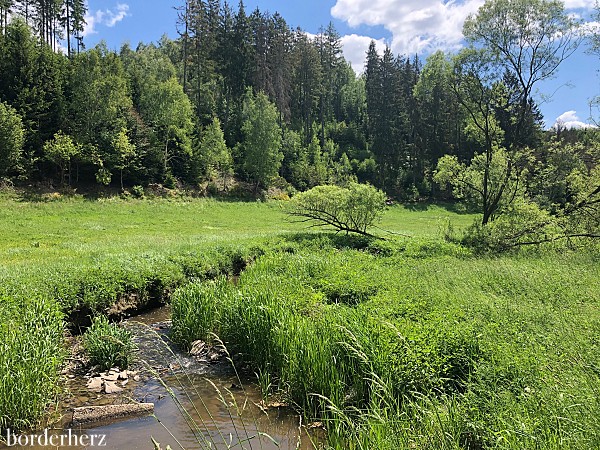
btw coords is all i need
(138, 191)
(523, 223)
(352, 209)
(108, 345)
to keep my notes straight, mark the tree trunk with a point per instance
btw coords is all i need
(68, 29)
(166, 158)
(185, 47)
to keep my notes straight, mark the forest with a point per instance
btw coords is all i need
(189, 110)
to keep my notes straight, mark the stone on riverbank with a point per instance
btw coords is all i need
(92, 414)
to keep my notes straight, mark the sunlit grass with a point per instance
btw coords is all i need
(42, 232)
(411, 342)
(428, 347)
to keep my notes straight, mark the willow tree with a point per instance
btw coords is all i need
(526, 41)
(351, 209)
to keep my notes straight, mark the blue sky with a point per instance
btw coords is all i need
(408, 26)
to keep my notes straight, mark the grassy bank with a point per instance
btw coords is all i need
(404, 343)
(417, 343)
(62, 256)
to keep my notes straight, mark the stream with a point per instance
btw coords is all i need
(221, 412)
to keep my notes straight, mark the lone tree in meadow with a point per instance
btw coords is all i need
(353, 209)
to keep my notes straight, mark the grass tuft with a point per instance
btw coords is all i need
(108, 345)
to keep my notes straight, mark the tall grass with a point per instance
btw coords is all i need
(421, 346)
(107, 345)
(31, 355)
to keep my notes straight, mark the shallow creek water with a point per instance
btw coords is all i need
(231, 419)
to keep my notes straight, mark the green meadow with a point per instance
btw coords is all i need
(407, 342)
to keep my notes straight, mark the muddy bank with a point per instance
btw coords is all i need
(127, 305)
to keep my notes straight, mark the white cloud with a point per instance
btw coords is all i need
(415, 25)
(579, 4)
(355, 50)
(591, 28)
(114, 17)
(570, 120)
(311, 36)
(419, 25)
(108, 18)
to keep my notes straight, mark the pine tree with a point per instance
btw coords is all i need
(306, 84)
(6, 7)
(330, 50)
(280, 63)
(73, 20)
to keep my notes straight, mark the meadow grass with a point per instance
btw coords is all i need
(59, 255)
(426, 346)
(403, 343)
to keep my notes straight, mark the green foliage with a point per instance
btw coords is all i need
(31, 333)
(108, 345)
(522, 223)
(195, 310)
(551, 35)
(138, 191)
(563, 185)
(12, 139)
(124, 150)
(168, 110)
(479, 182)
(443, 351)
(388, 127)
(438, 109)
(61, 151)
(351, 209)
(431, 343)
(559, 172)
(99, 108)
(212, 154)
(261, 148)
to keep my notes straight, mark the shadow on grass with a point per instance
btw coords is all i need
(453, 207)
(328, 239)
(47, 194)
(42, 193)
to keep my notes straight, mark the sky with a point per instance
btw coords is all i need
(408, 26)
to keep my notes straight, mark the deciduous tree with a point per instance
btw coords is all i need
(61, 150)
(351, 209)
(12, 139)
(261, 148)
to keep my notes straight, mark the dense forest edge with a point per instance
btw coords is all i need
(242, 104)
